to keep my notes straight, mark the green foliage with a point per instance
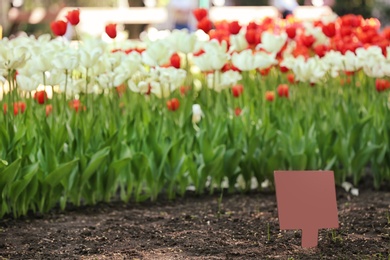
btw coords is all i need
(139, 149)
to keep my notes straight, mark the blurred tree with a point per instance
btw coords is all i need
(362, 7)
(382, 11)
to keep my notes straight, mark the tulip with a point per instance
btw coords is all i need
(238, 42)
(175, 61)
(157, 54)
(76, 105)
(27, 83)
(214, 58)
(283, 90)
(219, 81)
(237, 90)
(200, 13)
(40, 97)
(48, 109)
(5, 108)
(205, 25)
(291, 31)
(329, 30)
(182, 41)
(270, 96)
(291, 78)
(272, 43)
(197, 113)
(58, 27)
(237, 111)
(381, 85)
(173, 104)
(73, 17)
(234, 27)
(19, 107)
(111, 30)
(252, 36)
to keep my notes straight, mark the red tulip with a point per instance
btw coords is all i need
(184, 90)
(321, 50)
(19, 107)
(252, 26)
(253, 36)
(173, 104)
(205, 25)
(237, 90)
(381, 85)
(234, 27)
(111, 30)
(76, 105)
(58, 27)
(291, 78)
(48, 109)
(283, 69)
(73, 17)
(291, 31)
(5, 109)
(265, 72)
(175, 61)
(270, 96)
(200, 13)
(40, 97)
(237, 111)
(308, 40)
(283, 90)
(329, 29)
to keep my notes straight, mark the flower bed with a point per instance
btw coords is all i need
(84, 122)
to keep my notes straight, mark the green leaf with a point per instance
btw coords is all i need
(62, 171)
(95, 162)
(9, 173)
(231, 160)
(3, 162)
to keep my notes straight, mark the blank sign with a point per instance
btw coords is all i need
(307, 201)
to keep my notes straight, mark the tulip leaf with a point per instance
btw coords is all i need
(9, 173)
(96, 160)
(62, 171)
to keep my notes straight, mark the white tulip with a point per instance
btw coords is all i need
(89, 57)
(220, 81)
(26, 83)
(244, 60)
(265, 60)
(197, 113)
(66, 60)
(333, 62)
(311, 70)
(157, 54)
(182, 41)
(142, 87)
(271, 42)
(11, 58)
(238, 42)
(214, 58)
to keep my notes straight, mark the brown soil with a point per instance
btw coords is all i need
(243, 227)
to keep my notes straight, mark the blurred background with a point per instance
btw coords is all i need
(35, 16)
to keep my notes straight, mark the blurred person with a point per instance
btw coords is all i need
(285, 7)
(181, 12)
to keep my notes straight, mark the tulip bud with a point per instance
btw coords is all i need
(196, 113)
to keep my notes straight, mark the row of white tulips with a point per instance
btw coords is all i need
(67, 65)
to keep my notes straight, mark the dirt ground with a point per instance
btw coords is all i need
(243, 226)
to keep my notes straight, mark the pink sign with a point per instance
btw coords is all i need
(307, 201)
